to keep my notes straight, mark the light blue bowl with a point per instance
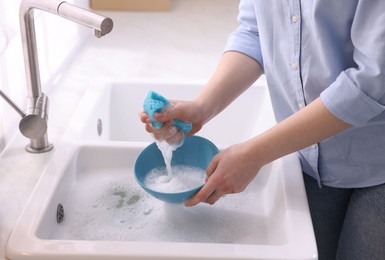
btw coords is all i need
(195, 151)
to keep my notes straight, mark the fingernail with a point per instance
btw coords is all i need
(159, 115)
(188, 203)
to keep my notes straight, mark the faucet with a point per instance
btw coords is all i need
(33, 124)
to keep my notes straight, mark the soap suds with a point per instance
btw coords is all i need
(176, 178)
(108, 204)
(184, 177)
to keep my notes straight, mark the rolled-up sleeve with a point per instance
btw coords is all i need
(358, 94)
(245, 38)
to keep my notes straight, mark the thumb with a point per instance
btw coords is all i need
(187, 112)
(176, 111)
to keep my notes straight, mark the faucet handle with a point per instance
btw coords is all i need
(34, 124)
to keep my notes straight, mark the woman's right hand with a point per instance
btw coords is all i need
(188, 111)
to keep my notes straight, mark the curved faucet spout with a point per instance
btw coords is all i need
(36, 108)
(102, 25)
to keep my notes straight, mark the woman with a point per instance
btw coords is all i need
(324, 62)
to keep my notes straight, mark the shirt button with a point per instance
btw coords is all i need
(294, 18)
(301, 105)
(294, 66)
(314, 146)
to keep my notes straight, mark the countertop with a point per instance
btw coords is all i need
(178, 46)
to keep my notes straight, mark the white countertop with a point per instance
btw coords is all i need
(182, 45)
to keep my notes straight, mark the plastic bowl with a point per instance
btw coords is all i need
(195, 151)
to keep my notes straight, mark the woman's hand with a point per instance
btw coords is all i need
(189, 111)
(230, 171)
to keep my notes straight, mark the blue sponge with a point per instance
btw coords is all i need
(155, 103)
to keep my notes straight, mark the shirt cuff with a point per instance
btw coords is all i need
(245, 43)
(349, 103)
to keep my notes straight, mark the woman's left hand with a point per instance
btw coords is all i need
(230, 171)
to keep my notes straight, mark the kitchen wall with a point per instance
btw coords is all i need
(58, 40)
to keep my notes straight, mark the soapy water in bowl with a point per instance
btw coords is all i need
(184, 177)
(177, 178)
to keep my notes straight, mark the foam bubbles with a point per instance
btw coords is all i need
(109, 205)
(184, 177)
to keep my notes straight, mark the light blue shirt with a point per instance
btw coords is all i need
(333, 49)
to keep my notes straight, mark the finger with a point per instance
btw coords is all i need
(157, 136)
(214, 197)
(164, 133)
(169, 132)
(175, 111)
(201, 196)
(144, 117)
(176, 137)
(160, 117)
(149, 128)
(212, 166)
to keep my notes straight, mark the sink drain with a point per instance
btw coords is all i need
(60, 213)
